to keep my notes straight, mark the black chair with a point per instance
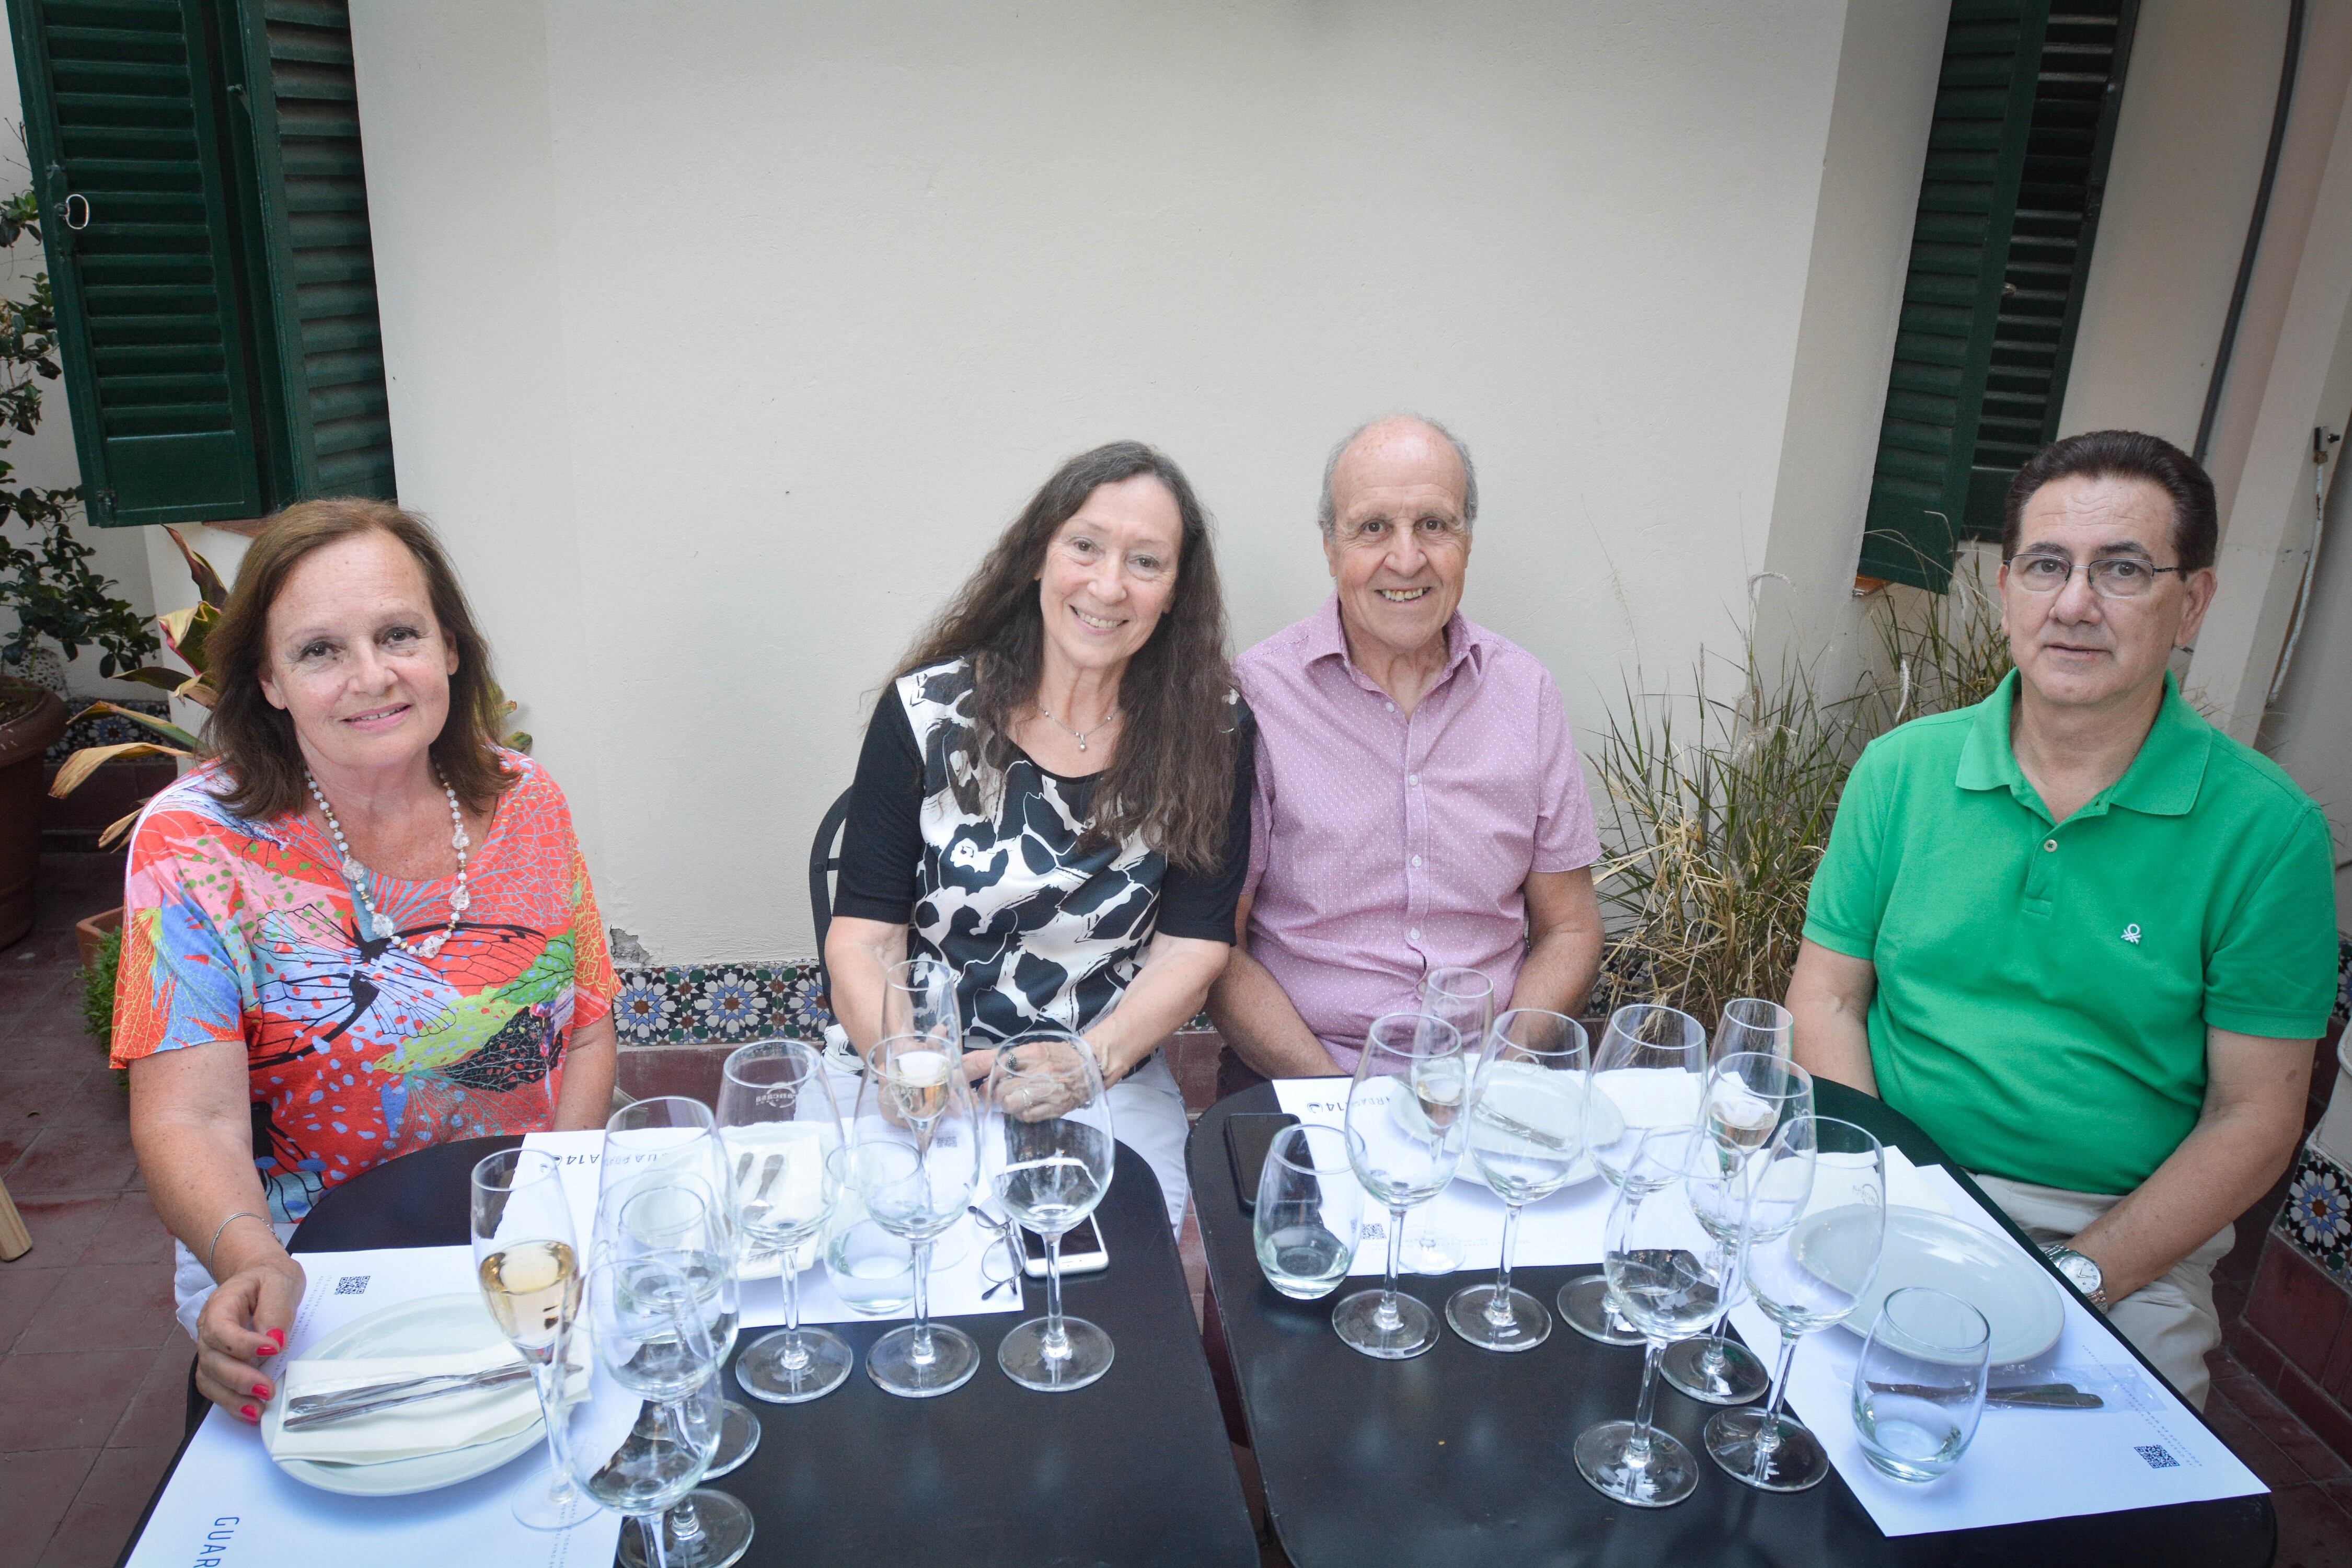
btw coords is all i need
(825, 859)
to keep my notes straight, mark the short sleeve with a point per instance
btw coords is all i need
(594, 984)
(2273, 973)
(1200, 905)
(1566, 838)
(882, 843)
(1843, 908)
(178, 982)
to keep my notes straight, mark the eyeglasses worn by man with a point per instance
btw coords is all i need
(2080, 936)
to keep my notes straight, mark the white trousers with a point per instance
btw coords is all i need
(1147, 1112)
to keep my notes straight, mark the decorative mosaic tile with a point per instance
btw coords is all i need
(2318, 1218)
(106, 729)
(719, 1003)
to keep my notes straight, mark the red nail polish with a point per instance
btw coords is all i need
(261, 1390)
(280, 1335)
(250, 1414)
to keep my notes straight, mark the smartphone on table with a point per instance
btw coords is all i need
(1249, 1138)
(1082, 1250)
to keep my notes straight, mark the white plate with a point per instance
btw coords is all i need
(1406, 1112)
(2020, 1302)
(433, 1325)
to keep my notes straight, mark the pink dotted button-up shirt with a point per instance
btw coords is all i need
(1384, 845)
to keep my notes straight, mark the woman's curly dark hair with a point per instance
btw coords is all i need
(1173, 779)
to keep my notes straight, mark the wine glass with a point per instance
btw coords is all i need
(1526, 1138)
(1052, 1128)
(1407, 1121)
(1818, 1197)
(1308, 1207)
(641, 1437)
(1649, 1070)
(778, 1118)
(916, 1163)
(1753, 1024)
(919, 998)
(1465, 999)
(1920, 1387)
(872, 1270)
(1661, 1271)
(530, 1271)
(1750, 1096)
(673, 1138)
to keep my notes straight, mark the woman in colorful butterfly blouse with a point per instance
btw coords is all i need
(1054, 793)
(361, 928)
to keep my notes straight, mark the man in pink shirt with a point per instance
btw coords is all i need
(1419, 800)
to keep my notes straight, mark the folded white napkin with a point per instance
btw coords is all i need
(1906, 1187)
(434, 1426)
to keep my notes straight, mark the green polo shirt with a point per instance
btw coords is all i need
(2044, 991)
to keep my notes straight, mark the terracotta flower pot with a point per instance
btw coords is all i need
(31, 718)
(89, 934)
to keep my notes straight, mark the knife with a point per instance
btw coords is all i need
(1519, 1129)
(312, 1410)
(2014, 1395)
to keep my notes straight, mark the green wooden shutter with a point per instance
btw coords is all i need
(325, 348)
(118, 116)
(2017, 160)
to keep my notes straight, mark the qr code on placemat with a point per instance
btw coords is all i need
(352, 1285)
(2159, 1456)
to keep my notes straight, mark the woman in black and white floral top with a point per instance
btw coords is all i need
(1054, 793)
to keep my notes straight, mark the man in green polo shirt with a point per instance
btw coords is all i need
(2080, 936)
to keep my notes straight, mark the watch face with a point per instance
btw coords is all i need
(2082, 1271)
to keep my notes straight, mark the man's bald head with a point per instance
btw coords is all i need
(1395, 435)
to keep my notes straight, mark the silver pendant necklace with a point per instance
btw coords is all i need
(1079, 735)
(377, 923)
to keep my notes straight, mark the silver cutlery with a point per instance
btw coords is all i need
(1519, 1129)
(315, 1409)
(768, 1170)
(2013, 1395)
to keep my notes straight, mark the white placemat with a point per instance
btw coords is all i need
(227, 1502)
(956, 1290)
(2143, 1449)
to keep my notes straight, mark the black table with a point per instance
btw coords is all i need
(1134, 1469)
(1462, 1456)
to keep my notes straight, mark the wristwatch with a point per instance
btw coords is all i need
(2080, 1272)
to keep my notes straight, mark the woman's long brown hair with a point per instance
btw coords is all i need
(1172, 781)
(254, 741)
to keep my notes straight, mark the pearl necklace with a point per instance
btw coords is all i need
(358, 876)
(1078, 735)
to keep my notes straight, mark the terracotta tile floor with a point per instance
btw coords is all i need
(93, 1368)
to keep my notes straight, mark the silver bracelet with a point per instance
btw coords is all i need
(214, 1249)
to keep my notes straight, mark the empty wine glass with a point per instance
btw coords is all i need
(778, 1118)
(1818, 1197)
(530, 1271)
(1649, 1070)
(1752, 1024)
(1407, 1122)
(1920, 1387)
(916, 1163)
(1310, 1205)
(1659, 1263)
(1750, 1096)
(919, 998)
(1052, 1128)
(1464, 998)
(674, 1138)
(1527, 1139)
(641, 1436)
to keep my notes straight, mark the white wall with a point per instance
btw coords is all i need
(724, 338)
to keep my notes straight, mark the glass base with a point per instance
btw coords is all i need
(738, 1433)
(1735, 1378)
(1388, 1328)
(1584, 1305)
(1525, 1324)
(722, 1535)
(1792, 1464)
(1085, 1355)
(1666, 1476)
(896, 1368)
(542, 1506)
(765, 1370)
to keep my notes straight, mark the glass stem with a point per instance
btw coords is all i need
(649, 1527)
(1057, 1343)
(796, 1356)
(1713, 1358)
(1637, 1447)
(1387, 1316)
(1498, 1310)
(1767, 1437)
(685, 1523)
(923, 1352)
(547, 1379)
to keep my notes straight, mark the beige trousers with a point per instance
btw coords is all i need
(2172, 1319)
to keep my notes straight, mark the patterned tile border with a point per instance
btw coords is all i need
(2318, 1218)
(719, 1003)
(107, 729)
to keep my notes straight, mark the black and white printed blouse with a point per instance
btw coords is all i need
(1033, 927)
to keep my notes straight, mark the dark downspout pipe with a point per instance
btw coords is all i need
(2253, 230)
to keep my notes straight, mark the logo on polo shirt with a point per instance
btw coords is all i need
(2131, 933)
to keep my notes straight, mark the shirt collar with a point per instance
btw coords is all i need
(1465, 639)
(2162, 780)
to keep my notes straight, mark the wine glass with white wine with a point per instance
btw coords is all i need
(528, 1266)
(915, 1150)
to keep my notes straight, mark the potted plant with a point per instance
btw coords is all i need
(46, 578)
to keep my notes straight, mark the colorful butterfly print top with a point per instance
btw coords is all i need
(239, 930)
